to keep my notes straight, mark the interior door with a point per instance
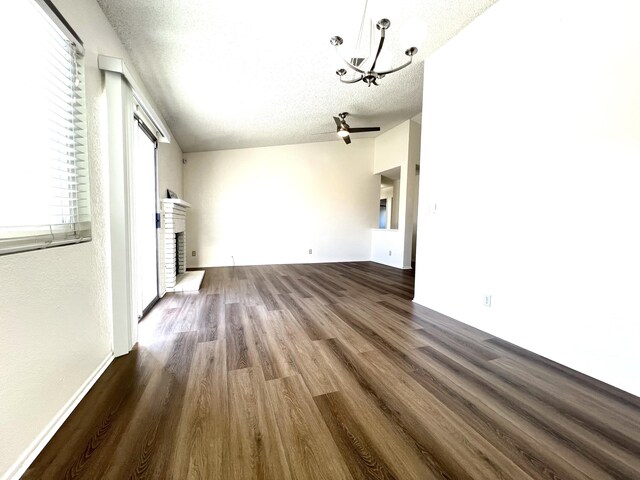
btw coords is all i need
(145, 229)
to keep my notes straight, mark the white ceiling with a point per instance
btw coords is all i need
(247, 73)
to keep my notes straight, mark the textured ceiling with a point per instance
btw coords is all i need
(247, 73)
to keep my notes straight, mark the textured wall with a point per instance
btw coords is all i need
(55, 314)
(54, 310)
(397, 148)
(169, 168)
(272, 204)
(530, 152)
(169, 177)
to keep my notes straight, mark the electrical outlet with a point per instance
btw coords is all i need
(389, 252)
(310, 251)
(193, 253)
(487, 300)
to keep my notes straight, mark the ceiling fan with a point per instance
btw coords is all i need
(344, 129)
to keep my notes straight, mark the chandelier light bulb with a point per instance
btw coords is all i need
(383, 24)
(410, 52)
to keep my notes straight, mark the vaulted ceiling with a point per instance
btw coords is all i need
(247, 73)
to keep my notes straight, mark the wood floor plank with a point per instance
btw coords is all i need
(563, 437)
(269, 297)
(363, 459)
(331, 371)
(307, 358)
(85, 442)
(390, 343)
(613, 415)
(326, 282)
(201, 446)
(354, 289)
(430, 332)
(388, 320)
(310, 449)
(420, 314)
(274, 354)
(314, 329)
(627, 448)
(146, 447)
(614, 411)
(591, 384)
(318, 291)
(277, 284)
(520, 445)
(238, 337)
(210, 317)
(256, 449)
(336, 327)
(415, 405)
(268, 353)
(448, 451)
(398, 445)
(379, 283)
(294, 287)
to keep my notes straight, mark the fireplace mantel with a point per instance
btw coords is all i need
(176, 201)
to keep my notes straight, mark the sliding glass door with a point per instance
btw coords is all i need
(145, 200)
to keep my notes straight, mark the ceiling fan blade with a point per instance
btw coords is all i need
(364, 129)
(338, 122)
(347, 140)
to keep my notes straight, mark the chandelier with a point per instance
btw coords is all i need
(369, 75)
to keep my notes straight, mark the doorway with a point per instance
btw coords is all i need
(145, 218)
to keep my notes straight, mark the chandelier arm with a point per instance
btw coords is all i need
(394, 69)
(375, 60)
(353, 67)
(356, 80)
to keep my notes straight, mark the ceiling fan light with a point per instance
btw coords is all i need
(343, 133)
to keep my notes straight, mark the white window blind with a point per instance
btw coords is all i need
(44, 184)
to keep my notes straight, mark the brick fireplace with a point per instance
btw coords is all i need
(175, 251)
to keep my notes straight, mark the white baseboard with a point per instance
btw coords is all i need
(30, 454)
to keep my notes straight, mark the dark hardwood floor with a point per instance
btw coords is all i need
(330, 371)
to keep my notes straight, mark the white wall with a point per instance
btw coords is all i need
(170, 168)
(55, 314)
(273, 204)
(395, 210)
(170, 171)
(397, 148)
(415, 140)
(392, 148)
(530, 151)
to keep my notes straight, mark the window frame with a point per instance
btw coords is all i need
(77, 228)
